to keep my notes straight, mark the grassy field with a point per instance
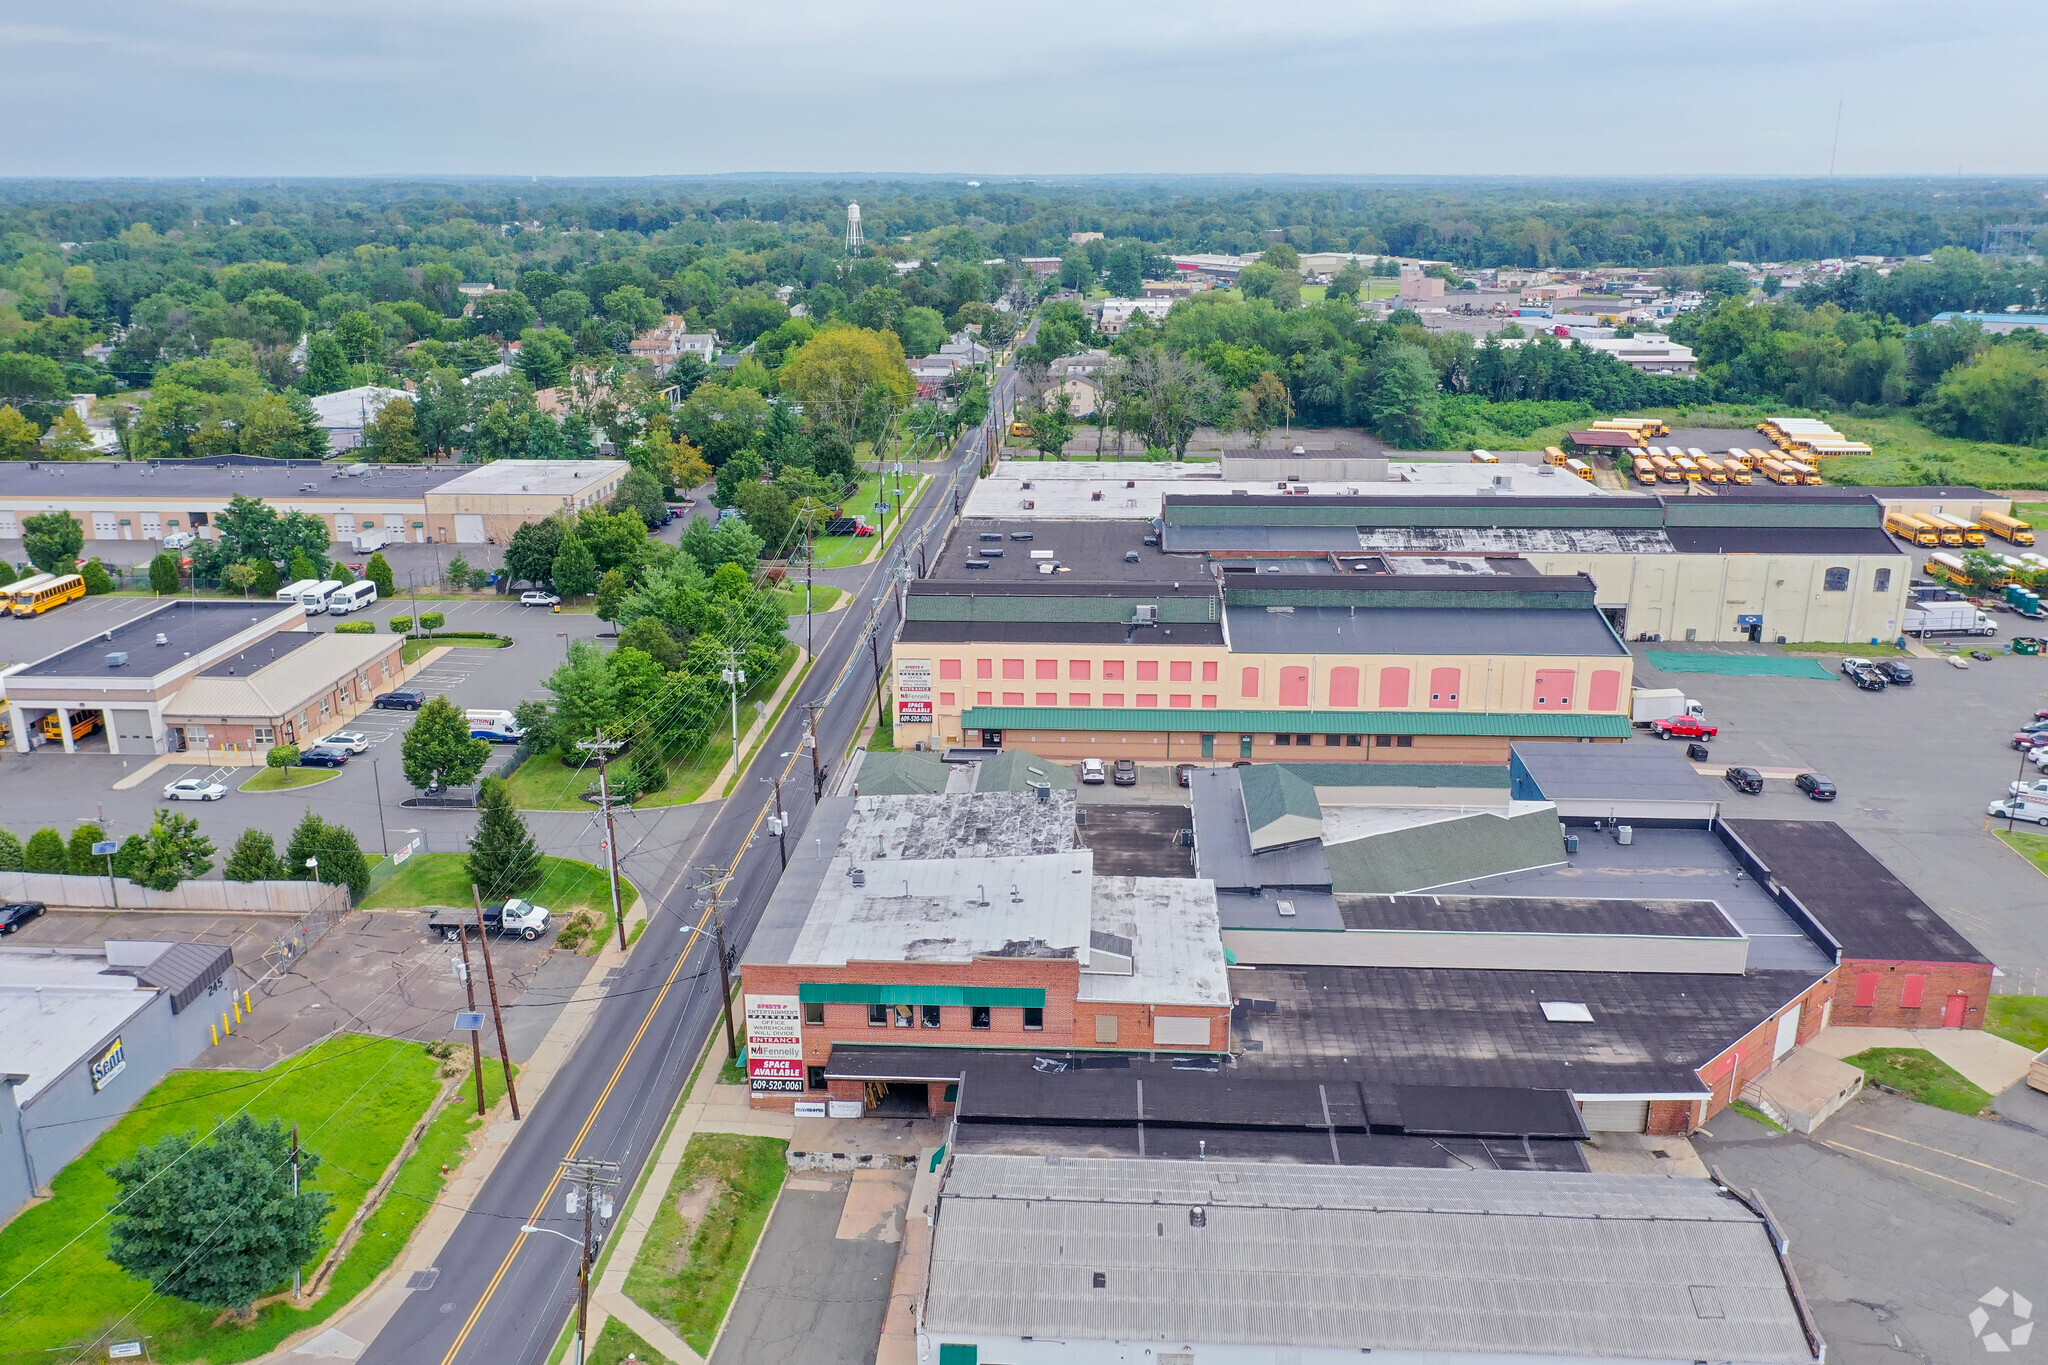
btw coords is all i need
(1863, 649)
(618, 1341)
(443, 879)
(2032, 847)
(791, 596)
(843, 552)
(1919, 1073)
(687, 1275)
(288, 779)
(355, 1099)
(2022, 1019)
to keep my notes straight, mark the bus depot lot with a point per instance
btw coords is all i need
(1916, 767)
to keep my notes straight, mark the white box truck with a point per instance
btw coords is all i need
(369, 542)
(1947, 618)
(1651, 704)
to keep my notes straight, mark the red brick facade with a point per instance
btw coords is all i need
(1736, 1066)
(1673, 1118)
(1912, 994)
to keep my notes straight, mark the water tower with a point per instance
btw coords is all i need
(853, 240)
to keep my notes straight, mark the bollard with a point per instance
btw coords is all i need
(216, 1034)
(225, 1027)
(238, 1011)
(248, 1002)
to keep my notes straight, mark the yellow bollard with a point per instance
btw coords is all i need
(248, 1002)
(216, 1034)
(238, 1011)
(225, 1027)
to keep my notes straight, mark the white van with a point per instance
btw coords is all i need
(316, 596)
(290, 591)
(354, 597)
(2034, 812)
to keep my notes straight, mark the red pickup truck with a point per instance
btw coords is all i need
(1684, 727)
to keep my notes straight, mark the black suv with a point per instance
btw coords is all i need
(1815, 786)
(1747, 780)
(1124, 773)
(1895, 672)
(400, 701)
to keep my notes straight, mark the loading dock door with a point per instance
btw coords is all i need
(469, 528)
(1788, 1031)
(1615, 1116)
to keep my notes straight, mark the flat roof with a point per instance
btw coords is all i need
(1086, 552)
(1536, 915)
(279, 482)
(1421, 630)
(193, 625)
(1223, 841)
(1793, 540)
(1174, 942)
(57, 1008)
(949, 909)
(276, 688)
(1482, 1263)
(1066, 490)
(917, 631)
(1873, 914)
(261, 654)
(545, 478)
(1342, 1147)
(1619, 772)
(958, 825)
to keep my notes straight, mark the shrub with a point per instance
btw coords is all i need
(433, 620)
(356, 628)
(97, 580)
(400, 624)
(45, 852)
(283, 756)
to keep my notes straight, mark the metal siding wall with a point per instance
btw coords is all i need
(69, 1114)
(14, 1181)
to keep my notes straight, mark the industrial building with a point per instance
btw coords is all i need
(88, 1032)
(205, 675)
(443, 504)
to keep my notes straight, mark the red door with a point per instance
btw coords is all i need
(1952, 1017)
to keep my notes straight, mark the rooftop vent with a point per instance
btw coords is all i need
(860, 876)
(162, 640)
(1148, 615)
(1284, 908)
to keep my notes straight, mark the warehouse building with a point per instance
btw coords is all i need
(199, 675)
(88, 1032)
(1163, 1262)
(459, 505)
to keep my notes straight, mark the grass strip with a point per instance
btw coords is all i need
(688, 1276)
(443, 879)
(2021, 1019)
(288, 779)
(1916, 1072)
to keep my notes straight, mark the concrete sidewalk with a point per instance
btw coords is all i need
(1989, 1062)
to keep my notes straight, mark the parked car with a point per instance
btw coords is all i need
(1815, 786)
(1126, 773)
(194, 789)
(1895, 672)
(1747, 780)
(1683, 727)
(13, 916)
(539, 599)
(2029, 739)
(2033, 791)
(1864, 674)
(321, 757)
(348, 739)
(400, 701)
(1092, 772)
(1183, 773)
(2016, 808)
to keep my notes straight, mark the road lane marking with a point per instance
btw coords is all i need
(1877, 1132)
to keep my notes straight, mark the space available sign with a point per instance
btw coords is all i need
(914, 691)
(775, 1042)
(108, 1065)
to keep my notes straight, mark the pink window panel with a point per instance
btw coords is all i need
(1343, 687)
(1294, 686)
(1013, 668)
(946, 699)
(1182, 699)
(1112, 670)
(949, 670)
(1393, 687)
(1209, 671)
(1046, 669)
(984, 698)
(1866, 988)
(1606, 695)
(1048, 699)
(1077, 698)
(984, 668)
(1112, 699)
(1182, 671)
(1208, 699)
(1248, 683)
(1078, 670)
(1013, 698)
(1554, 687)
(1148, 670)
(1443, 687)
(1148, 699)
(1915, 992)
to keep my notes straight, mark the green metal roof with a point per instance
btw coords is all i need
(1514, 724)
(1272, 793)
(1011, 771)
(1441, 852)
(911, 774)
(1463, 596)
(858, 993)
(1382, 774)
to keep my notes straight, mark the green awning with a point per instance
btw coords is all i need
(1184, 721)
(858, 993)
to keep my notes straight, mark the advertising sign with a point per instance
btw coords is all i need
(913, 691)
(775, 1042)
(108, 1065)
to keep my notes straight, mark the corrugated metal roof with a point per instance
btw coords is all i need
(186, 970)
(1440, 852)
(1513, 1263)
(1516, 724)
(1272, 794)
(284, 687)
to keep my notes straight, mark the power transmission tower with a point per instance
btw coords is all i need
(591, 1184)
(604, 749)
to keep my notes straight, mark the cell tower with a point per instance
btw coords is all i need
(853, 239)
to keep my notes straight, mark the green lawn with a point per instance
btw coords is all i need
(355, 1100)
(2032, 847)
(1919, 1073)
(843, 552)
(544, 782)
(791, 596)
(443, 879)
(617, 1341)
(1863, 649)
(415, 650)
(687, 1276)
(2022, 1019)
(288, 779)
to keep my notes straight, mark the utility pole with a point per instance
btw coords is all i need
(810, 563)
(476, 1043)
(297, 1285)
(734, 677)
(377, 777)
(817, 764)
(875, 649)
(483, 938)
(604, 749)
(591, 1183)
(732, 1045)
(779, 827)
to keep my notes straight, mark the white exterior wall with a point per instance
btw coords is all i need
(1002, 1350)
(1670, 594)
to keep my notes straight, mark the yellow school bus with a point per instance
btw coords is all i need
(55, 593)
(83, 723)
(1646, 472)
(2007, 528)
(1909, 527)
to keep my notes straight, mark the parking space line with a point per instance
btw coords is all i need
(1845, 1147)
(1875, 1132)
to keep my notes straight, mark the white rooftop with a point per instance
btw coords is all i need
(1175, 939)
(354, 407)
(1342, 824)
(950, 910)
(57, 1010)
(1066, 490)
(557, 478)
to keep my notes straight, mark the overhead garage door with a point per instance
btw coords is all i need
(469, 529)
(106, 526)
(1615, 1116)
(10, 526)
(131, 730)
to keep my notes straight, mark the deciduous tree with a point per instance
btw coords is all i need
(254, 859)
(439, 747)
(52, 539)
(173, 851)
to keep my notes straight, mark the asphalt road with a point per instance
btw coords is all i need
(502, 1295)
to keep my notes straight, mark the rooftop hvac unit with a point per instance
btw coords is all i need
(118, 659)
(860, 876)
(1148, 614)
(1624, 834)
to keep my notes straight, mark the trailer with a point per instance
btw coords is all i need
(515, 917)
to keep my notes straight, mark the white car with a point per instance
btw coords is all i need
(348, 739)
(194, 789)
(539, 599)
(179, 540)
(1092, 772)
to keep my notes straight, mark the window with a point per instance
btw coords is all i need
(1148, 670)
(1048, 699)
(814, 1076)
(326, 709)
(1112, 670)
(1248, 683)
(1209, 671)
(1304, 741)
(949, 670)
(902, 1016)
(1283, 740)
(814, 1013)
(1354, 741)
(1105, 1028)
(1077, 698)
(1882, 581)
(1393, 687)
(1181, 699)
(1180, 671)
(984, 668)
(1148, 699)
(1607, 690)
(196, 734)
(1013, 668)
(1045, 668)
(978, 1016)
(928, 1016)
(1332, 741)
(1393, 741)
(1034, 1018)
(1078, 670)
(1836, 580)
(1294, 686)
(266, 735)
(1915, 992)
(878, 1016)
(946, 699)
(1343, 687)
(1209, 699)
(1866, 988)
(1013, 698)
(984, 698)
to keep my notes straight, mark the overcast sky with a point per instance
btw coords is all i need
(1356, 87)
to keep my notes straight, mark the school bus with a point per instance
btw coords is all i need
(1804, 473)
(1776, 472)
(2007, 528)
(1552, 455)
(1949, 569)
(83, 723)
(1739, 473)
(1646, 426)
(1666, 470)
(1485, 457)
(1646, 472)
(28, 584)
(1715, 471)
(1020, 429)
(1692, 472)
(1970, 531)
(48, 596)
(1738, 458)
(1580, 468)
(1909, 527)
